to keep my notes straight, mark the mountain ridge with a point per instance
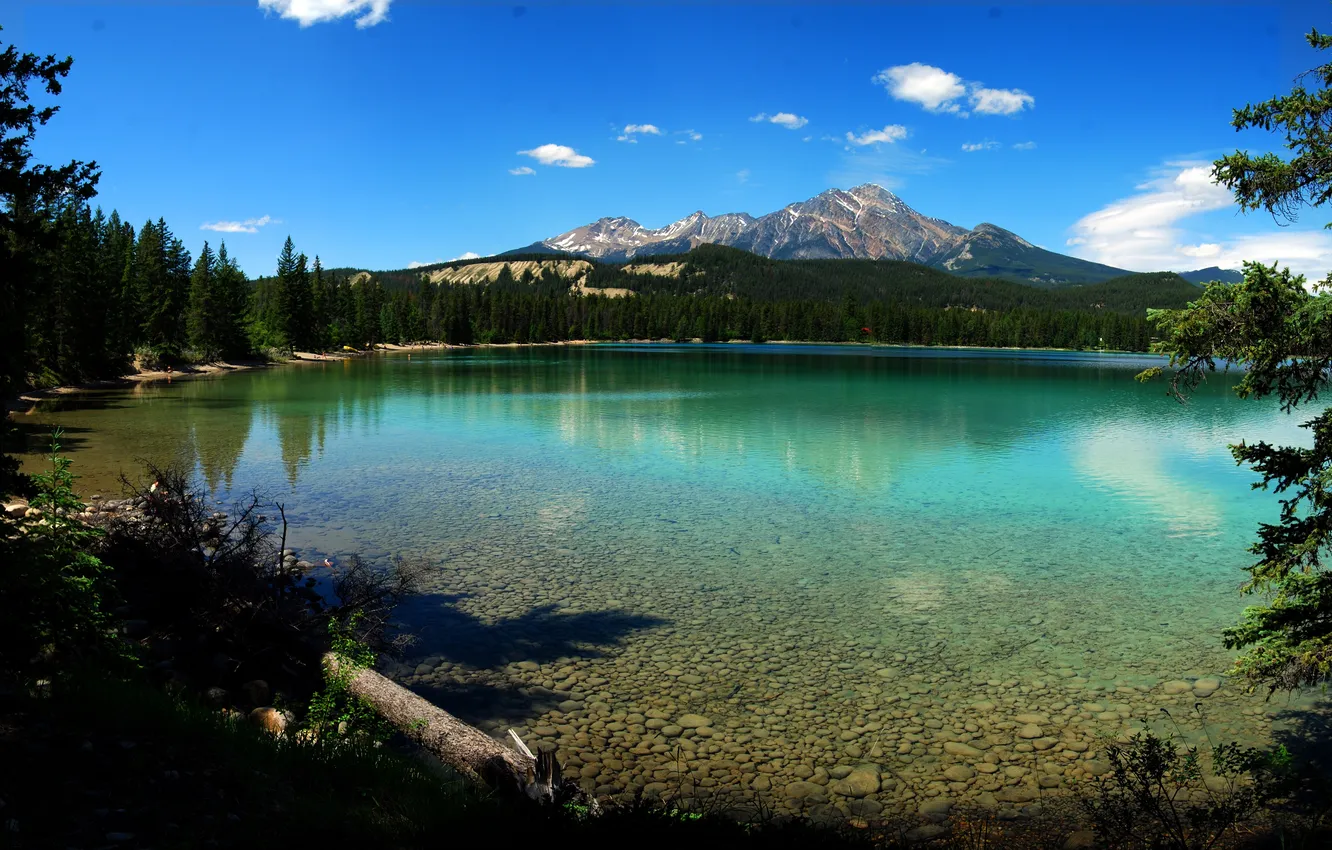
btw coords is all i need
(864, 222)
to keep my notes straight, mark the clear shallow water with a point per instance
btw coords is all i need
(819, 550)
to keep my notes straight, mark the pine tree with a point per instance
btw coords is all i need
(232, 300)
(202, 315)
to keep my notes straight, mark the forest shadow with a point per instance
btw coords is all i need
(34, 438)
(1307, 733)
(540, 634)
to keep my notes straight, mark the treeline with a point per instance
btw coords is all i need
(106, 295)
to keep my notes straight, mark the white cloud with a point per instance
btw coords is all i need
(788, 120)
(1145, 232)
(888, 134)
(561, 155)
(309, 12)
(937, 90)
(694, 136)
(933, 88)
(1000, 101)
(742, 176)
(1024, 146)
(416, 264)
(249, 225)
(1201, 252)
(522, 170)
(632, 130)
(467, 255)
(987, 145)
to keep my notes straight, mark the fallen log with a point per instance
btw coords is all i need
(464, 748)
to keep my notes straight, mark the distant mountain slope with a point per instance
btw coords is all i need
(1212, 273)
(866, 222)
(719, 271)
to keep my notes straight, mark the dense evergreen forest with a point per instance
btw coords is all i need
(105, 295)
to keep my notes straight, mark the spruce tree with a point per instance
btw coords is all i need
(202, 314)
(232, 299)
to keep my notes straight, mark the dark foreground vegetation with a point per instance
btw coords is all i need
(162, 675)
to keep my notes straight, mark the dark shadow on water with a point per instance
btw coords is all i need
(34, 438)
(542, 634)
(1307, 733)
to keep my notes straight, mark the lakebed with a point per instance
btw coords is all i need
(842, 579)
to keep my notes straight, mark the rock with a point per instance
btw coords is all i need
(1014, 795)
(1031, 730)
(16, 511)
(1177, 686)
(671, 731)
(135, 628)
(272, 720)
(693, 721)
(841, 771)
(864, 808)
(1083, 839)
(801, 790)
(216, 696)
(959, 773)
(936, 807)
(1097, 768)
(1205, 687)
(959, 749)
(926, 832)
(1036, 719)
(861, 782)
(257, 692)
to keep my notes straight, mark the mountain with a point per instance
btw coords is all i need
(1212, 273)
(867, 222)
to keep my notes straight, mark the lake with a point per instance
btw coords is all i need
(798, 571)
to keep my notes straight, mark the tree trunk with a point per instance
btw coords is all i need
(464, 748)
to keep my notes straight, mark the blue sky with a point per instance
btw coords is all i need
(383, 132)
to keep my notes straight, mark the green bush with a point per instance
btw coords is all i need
(54, 595)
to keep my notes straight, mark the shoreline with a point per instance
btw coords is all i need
(201, 370)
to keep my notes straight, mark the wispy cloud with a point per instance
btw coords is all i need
(742, 176)
(788, 120)
(643, 129)
(310, 12)
(1145, 231)
(416, 264)
(561, 155)
(1024, 146)
(987, 145)
(249, 225)
(886, 165)
(937, 90)
(887, 135)
(522, 170)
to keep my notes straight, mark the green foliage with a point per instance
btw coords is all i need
(54, 594)
(31, 198)
(1271, 324)
(336, 711)
(1156, 794)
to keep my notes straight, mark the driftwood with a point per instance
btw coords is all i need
(464, 748)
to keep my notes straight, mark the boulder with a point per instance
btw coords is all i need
(957, 748)
(860, 782)
(272, 720)
(257, 692)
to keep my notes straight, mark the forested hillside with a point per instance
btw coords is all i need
(106, 293)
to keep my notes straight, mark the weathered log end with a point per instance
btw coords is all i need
(459, 745)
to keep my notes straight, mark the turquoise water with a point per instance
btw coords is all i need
(816, 549)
